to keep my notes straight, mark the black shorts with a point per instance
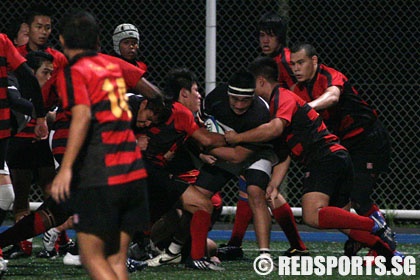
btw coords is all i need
(165, 189)
(106, 211)
(370, 152)
(23, 153)
(333, 176)
(254, 177)
(257, 173)
(213, 178)
(3, 151)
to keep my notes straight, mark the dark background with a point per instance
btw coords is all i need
(374, 43)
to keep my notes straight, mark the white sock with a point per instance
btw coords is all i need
(174, 248)
(264, 251)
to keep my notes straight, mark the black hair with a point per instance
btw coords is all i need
(13, 28)
(176, 80)
(271, 23)
(36, 10)
(309, 49)
(266, 67)
(36, 58)
(80, 30)
(161, 107)
(241, 83)
(157, 104)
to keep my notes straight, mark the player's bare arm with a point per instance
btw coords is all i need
(277, 176)
(262, 133)
(279, 172)
(209, 139)
(81, 117)
(147, 89)
(209, 159)
(329, 98)
(235, 154)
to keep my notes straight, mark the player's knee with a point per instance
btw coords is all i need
(208, 206)
(205, 205)
(310, 222)
(310, 219)
(256, 196)
(280, 200)
(198, 204)
(7, 196)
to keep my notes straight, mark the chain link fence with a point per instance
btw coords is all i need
(374, 43)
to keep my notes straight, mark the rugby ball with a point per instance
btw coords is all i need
(213, 126)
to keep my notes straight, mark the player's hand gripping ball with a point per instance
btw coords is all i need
(213, 126)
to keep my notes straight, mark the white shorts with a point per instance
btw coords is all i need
(263, 165)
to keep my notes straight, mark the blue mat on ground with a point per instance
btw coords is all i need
(402, 238)
(316, 236)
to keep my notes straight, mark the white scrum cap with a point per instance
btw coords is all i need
(124, 31)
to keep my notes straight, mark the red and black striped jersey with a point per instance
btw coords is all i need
(49, 95)
(131, 75)
(166, 138)
(28, 131)
(351, 116)
(286, 76)
(110, 149)
(9, 59)
(61, 134)
(60, 61)
(142, 65)
(306, 134)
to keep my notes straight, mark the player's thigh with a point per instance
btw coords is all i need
(332, 175)
(119, 258)
(91, 246)
(194, 200)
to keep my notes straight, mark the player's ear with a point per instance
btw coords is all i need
(314, 59)
(143, 105)
(260, 81)
(183, 92)
(24, 24)
(61, 40)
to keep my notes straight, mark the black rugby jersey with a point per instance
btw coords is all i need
(217, 105)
